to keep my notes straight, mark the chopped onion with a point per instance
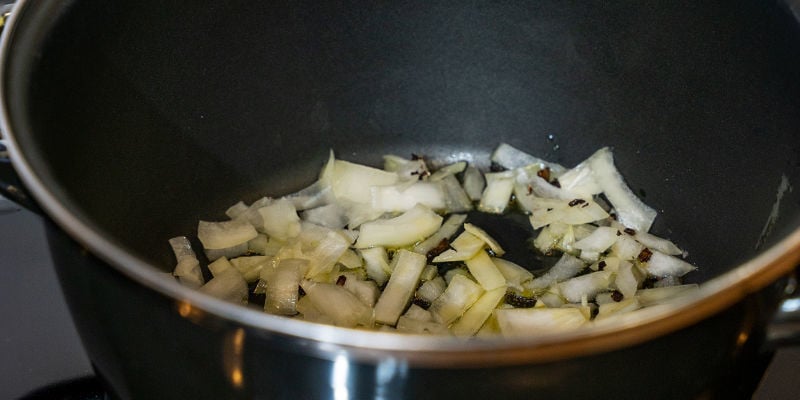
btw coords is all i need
(338, 303)
(575, 289)
(330, 216)
(473, 183)
(403, 197)
(497, 194)
(461, 293)
(479, 312)
(400, 288)
(449, 228)
(228, 285)
(280, 220)
(455, 199)
(432, 289)
(513, 273)
(354, 182)
(376, 262)
(661, 265)
(448, 170)
(481, 234)
(485, 272)
(566, 267)
(282, 286)
(526, 321)
(225, 234)
(510, 158)
(464, 247)
(413, 226)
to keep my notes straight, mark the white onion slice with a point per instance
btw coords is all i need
(478, 313)
(461, 293)
(403, 197)
(485, 272)
(473, 183)
(513, 273)
(631, 211)
(566, 267)
(410, 227)
(338, 303)
(510, 157)
(524, 321)
(280, 219)
(225, 234)
(449, 228)
(585, 286)
(229, 285)
(661, 265)
(354, 181)
(400, 288)
(499, 186)
(376, 263)
(282, 286)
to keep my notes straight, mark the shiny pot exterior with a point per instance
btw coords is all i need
(129, 121)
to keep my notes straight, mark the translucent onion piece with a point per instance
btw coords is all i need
(376, 262)
(189, 273)
(410, 227)
(230, 252)
(338, 303)
(229, 285)
(455, 198)
(478, 313)
(397, 198)
(449, 228)
(615, 308)
(418, 313)
(513, 273)
(485, 272)
(366, 291)
(510, 157)
(627, 279)
(448, 170)
(661, 265)
(598, 241)
(580, 181)
(575, 289)
(250, 267)
(280, 219)
(354, 181)
(526, 321)
(481, 234)
(318, 193)
(432, 289)
(331, 216)
(631, 212)
(219, 266)
(461, 293)
(401, 286)
(406, 169)
(495, 197)
(464, 247)
(282, 286)
(225, 234)
(473, 183)
(566, 267)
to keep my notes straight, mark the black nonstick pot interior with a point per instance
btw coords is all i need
(143, 117)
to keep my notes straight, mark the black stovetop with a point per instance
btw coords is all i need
(40, 350)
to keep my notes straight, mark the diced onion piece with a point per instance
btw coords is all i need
(464, 247)
(574, 289)
(338, 303)
(551, 298)
(631, 211)
(485, 272)
(480, 233)
(236, 210)
(250, 267)
(406, 169)
(566, 267)
(418, 313)
(661, 265)
(473, 183)
(598, 241)
(455, 198)
(280, 219)
(448, 170)
(230, 252)
(219, 266)
(650, 297)
(187, 268)
(497, 194)
(229, 285)
(311, 313)
(588, 211)
(405, 277)
(354, 181)
(451, 273)
(430, 290)
(626, 248)
(478, 313)
(410, 227)
(376, 262)
(429, 272)
(402, 197)
(460, 294)
(446, 231)
(513, 273)
(510, 157)
(614, 308)
(656, 243)
(580, 180)
(330, 216)
(366, 291)
(351, 260)
(225, 234)
(628, 279)
(326, 253)
(282, 286)
(529, 321)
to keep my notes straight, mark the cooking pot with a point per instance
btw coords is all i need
(126, 122)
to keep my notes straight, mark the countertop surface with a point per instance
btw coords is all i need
(39, 345)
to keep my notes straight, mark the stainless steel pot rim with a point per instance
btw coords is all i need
(330, 341)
